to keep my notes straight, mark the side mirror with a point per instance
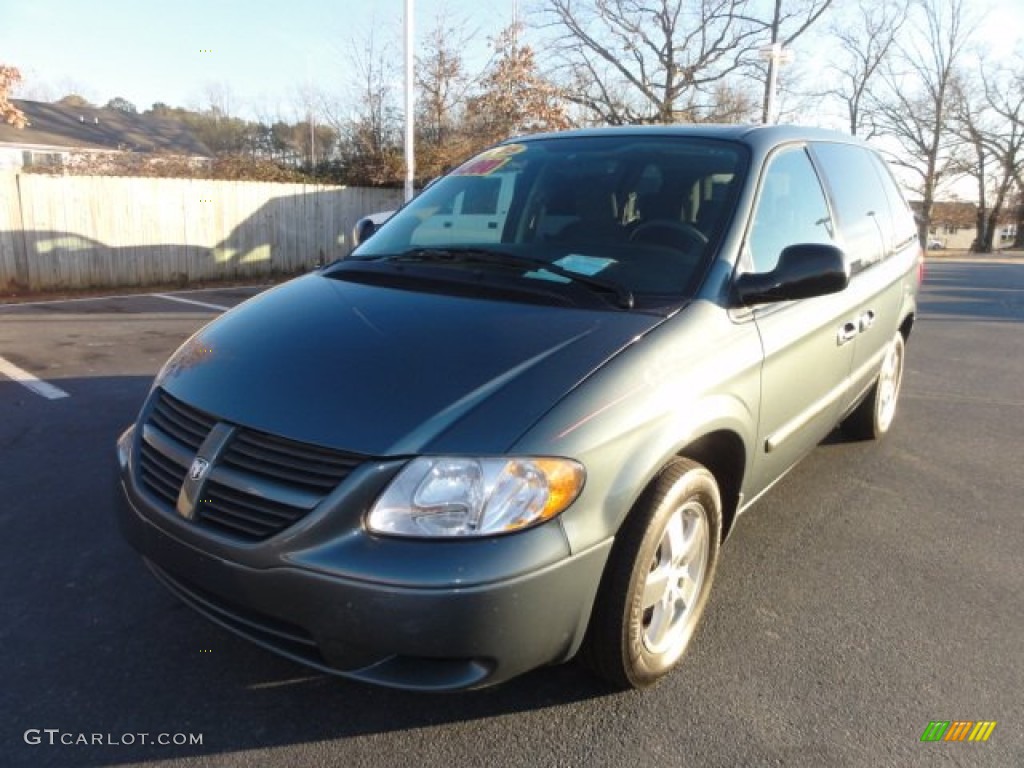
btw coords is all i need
(803, 271)
(364, 230)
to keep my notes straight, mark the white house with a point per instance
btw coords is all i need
(56, 132)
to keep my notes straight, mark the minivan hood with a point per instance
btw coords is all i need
(383, 371)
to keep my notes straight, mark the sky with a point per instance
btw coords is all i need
(264, 52)
(171, 51)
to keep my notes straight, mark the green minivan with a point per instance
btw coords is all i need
(516, 424)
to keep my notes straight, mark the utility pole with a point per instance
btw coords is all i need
(309, 115)
(776, 56)
(410, 156)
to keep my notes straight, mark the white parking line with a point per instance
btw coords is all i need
(107, 297)
(218, 307)
(27, 380)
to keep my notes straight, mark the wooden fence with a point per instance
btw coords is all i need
(68, 232)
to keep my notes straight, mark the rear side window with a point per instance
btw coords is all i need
(862, 208)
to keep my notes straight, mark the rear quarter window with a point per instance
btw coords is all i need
(903, 222)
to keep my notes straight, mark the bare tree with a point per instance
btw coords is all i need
(966, 119)
(920, 91)
(990, 118)
(648, 61)
(866, 38)
(1017, 204)
(731, 102)
(1005, 96)
(369, 121)
(218, 99)
(31, 87)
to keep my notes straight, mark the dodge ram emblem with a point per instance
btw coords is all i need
(198, 469)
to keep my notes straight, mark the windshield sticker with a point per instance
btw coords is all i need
(583, 265)
(488, 162)
(574, 262)
(543, 274)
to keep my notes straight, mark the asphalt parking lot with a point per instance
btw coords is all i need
(877, 588)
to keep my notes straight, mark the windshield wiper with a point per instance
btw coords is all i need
(623, 296)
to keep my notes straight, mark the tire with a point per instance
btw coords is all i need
(657, 580)
(874, 416)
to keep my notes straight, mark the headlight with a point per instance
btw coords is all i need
(457, 496)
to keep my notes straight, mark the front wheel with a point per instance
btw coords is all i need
(873, 417)
(658, 578)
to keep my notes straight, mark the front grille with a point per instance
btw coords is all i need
(257, 485)
(175, 432)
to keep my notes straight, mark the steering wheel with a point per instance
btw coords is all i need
(669, 233)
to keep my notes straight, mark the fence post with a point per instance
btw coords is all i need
(21, 274)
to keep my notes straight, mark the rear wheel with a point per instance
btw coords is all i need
(658, 578)
(873, 417)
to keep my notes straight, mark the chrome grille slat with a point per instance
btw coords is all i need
(297, 464)
(168, 483)
(246, 458)
(230, 515)
(187, 425)
(302, 451)
(203, 421)
(222, 495)
(250, 485)
(161, 488)
(161, 476)
(183, 436)
(168, 447)
(166, 463)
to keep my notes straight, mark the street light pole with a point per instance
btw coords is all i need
(410, 157)
(776, 56)
(773, 82)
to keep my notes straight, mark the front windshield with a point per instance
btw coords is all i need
(640, 213)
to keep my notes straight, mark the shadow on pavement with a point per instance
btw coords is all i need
(94, 645)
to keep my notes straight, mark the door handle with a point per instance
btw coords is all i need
(848, 332)
(867, 320)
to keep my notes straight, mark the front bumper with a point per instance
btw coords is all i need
(400, 613)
